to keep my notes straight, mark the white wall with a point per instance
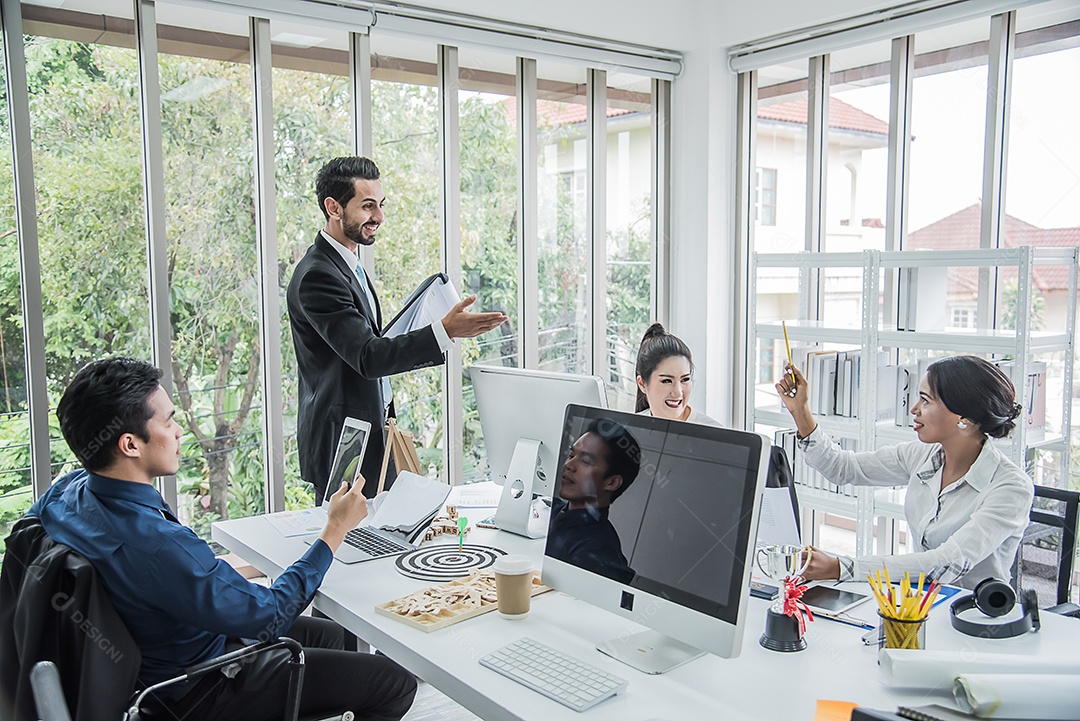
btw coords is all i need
(703, 140)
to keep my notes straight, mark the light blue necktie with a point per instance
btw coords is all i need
(387, 393)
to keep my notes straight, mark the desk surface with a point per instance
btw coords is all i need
(757, 684)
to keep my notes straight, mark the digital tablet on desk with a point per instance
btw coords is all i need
(831, 599)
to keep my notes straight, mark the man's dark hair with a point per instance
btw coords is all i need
(623, 452)
(107, 399)
(337, 179)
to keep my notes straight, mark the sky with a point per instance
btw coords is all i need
(948, 126)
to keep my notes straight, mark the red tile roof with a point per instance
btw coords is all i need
(960, 231)
(841, 116)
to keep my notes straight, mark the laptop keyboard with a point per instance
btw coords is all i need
(373, 544)
(554, 674)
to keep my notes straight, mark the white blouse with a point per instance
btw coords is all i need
(694, 417)
(971, 530)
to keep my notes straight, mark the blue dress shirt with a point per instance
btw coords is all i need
(178, 601)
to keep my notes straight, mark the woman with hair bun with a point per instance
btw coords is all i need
(967, 505)
(665, 374)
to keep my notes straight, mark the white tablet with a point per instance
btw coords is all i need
(831, 599)
(350, 452)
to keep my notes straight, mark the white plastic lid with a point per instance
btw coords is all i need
(513, 565)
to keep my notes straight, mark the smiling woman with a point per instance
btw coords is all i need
(665, 375)
(967, 504)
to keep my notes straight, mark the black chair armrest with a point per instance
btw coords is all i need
(201, 669)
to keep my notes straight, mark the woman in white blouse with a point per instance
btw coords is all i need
(967, 504)
(665, 377)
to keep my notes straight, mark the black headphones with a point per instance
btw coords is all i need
(996, 598)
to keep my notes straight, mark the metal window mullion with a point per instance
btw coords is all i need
(528, 329)
(154, 202)
(744, 339)
(29, 249)
(262, 83)
(817, 135)
(901, 75)
(995, 142)
(450, 147)
(661, 200)
(596, 133)
(360, 95)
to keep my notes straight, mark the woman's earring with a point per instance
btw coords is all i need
(961, 425)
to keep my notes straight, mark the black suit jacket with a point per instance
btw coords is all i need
(341, 356)
(53, 607)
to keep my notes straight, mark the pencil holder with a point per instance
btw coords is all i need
(901, 633)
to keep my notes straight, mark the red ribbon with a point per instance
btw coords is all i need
(794, 588)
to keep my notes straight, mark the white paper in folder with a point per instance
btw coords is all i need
(776, 522)
(430, 302)
(410, 502)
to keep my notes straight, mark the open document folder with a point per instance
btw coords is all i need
(409, 506)
(431, 301)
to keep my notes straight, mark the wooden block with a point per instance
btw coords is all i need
(449, 616)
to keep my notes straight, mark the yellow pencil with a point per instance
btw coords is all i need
(788, 346)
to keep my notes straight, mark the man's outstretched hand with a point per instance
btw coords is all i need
(459, 323)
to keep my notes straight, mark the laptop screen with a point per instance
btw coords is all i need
(349, 454)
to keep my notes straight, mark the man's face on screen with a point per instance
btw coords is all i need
(584, 476)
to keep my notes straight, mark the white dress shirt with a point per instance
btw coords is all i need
(971, 529)
(353, 261)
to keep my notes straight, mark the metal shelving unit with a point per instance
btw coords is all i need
(1021, 344)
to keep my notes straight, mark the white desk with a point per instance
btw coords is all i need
(759, 684)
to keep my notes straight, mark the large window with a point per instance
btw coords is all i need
(15, 491)
(490, 265)
(312, 124)
(206, 127)
(563, 245)
(87, 149)
(405, 145)
(629, 227)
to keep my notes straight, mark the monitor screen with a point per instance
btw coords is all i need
(516, 404)
(665, 511)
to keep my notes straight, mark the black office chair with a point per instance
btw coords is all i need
(1045, 559)
(52, 704)
(37, 569)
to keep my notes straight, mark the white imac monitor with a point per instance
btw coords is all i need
(655, 520)
(521, 414)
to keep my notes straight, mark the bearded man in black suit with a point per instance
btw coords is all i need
(336, 320)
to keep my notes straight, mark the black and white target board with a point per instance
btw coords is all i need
(446, 562)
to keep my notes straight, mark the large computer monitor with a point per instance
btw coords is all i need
(521, 414)
(672, 548)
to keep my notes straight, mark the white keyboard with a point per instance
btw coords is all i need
(560, 677)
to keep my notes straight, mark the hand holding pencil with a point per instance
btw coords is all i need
(795, 396)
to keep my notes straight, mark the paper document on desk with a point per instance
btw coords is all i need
(298, 523)
(431, 301)
(412, 500)
(776, 523)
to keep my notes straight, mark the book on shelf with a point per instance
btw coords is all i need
(921, 299)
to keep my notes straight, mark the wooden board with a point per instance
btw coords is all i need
(449, 616)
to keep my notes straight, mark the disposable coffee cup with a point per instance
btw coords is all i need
(513, 585)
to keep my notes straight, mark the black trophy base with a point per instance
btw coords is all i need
(782, 633)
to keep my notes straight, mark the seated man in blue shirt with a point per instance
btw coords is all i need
(181, 604)
(601, 465)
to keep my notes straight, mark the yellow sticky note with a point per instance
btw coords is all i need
(833, 710)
